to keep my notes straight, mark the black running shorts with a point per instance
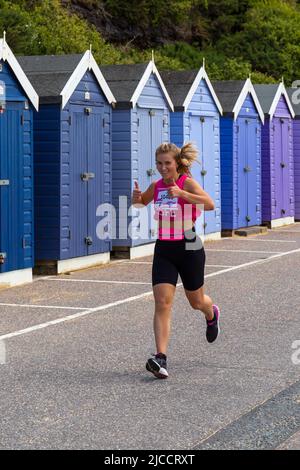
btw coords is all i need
(176, 257)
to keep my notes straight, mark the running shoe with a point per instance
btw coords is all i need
(158, 365)
(213, 326)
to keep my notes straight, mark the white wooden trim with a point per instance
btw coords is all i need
(82, 262)
(151, 68)
(15, 278)
(281, 90)
(202, 75)
(7, 55)
(87, 62)
(248, 88)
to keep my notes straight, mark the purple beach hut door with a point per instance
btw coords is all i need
(281, 164)
(247, 175)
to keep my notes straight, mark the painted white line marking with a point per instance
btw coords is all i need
(288, 231)
(42, 306)
(102, 282)
(42, 278)
(74, 316)
(243, 251)
(260, 240)
(138, 262)
(136, 297)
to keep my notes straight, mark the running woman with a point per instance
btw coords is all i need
(178, 250)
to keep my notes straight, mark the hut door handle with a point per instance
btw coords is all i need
(248, 218)
(88, 240)
(2, 258)
(203, 172)
(247, 169)
(4, 182)
(87, 176)
(151, 172)
(282, 165)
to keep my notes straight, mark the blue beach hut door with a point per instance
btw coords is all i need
(151, 122)
(87, 185)
(11, 189)
(281, 164)
(202, 133)
(247, 173)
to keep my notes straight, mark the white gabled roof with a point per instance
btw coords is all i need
(151, 68)
(202, 75)
(7, 55)
(281, 90)
(248, 88)
(86, 63)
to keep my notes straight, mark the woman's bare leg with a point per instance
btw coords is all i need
(163, 295)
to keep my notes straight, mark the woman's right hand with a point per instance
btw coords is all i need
(136, 194)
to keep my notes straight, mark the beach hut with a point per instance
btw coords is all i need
(240, 131)
(294, 95)
(278, 197)
(141, 122)
(17, 101)
(72, 142)
(196, 118)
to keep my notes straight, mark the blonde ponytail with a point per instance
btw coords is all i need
(184, 156)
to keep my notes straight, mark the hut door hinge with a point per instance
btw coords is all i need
(275, 203)
(103, 122)
(22, 119)
(238, 211)
(2, 258)
(257, 208)
(70, 120)
(165, 122)
(237, 129)
(291, 200)
(138, 122)
(69, 235)
(23, 243)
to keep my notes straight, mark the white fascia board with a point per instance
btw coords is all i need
(281, 90)
(151, 68)
(101, 80)
(75, 78)
(248, 88)
(7, 55)
(156, 72)
(202, 75)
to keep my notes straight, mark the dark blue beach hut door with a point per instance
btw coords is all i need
(11, 188)
(247, 183)
(86, 172)
(202, 133)
(151, 122)
(281, 133)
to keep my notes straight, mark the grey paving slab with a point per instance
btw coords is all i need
(293, 443)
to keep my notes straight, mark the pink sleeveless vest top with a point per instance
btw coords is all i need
(172, 212)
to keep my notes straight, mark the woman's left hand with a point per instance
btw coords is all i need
(174, 190)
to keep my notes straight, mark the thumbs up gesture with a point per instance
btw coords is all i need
(136, 194)
(174, 190)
